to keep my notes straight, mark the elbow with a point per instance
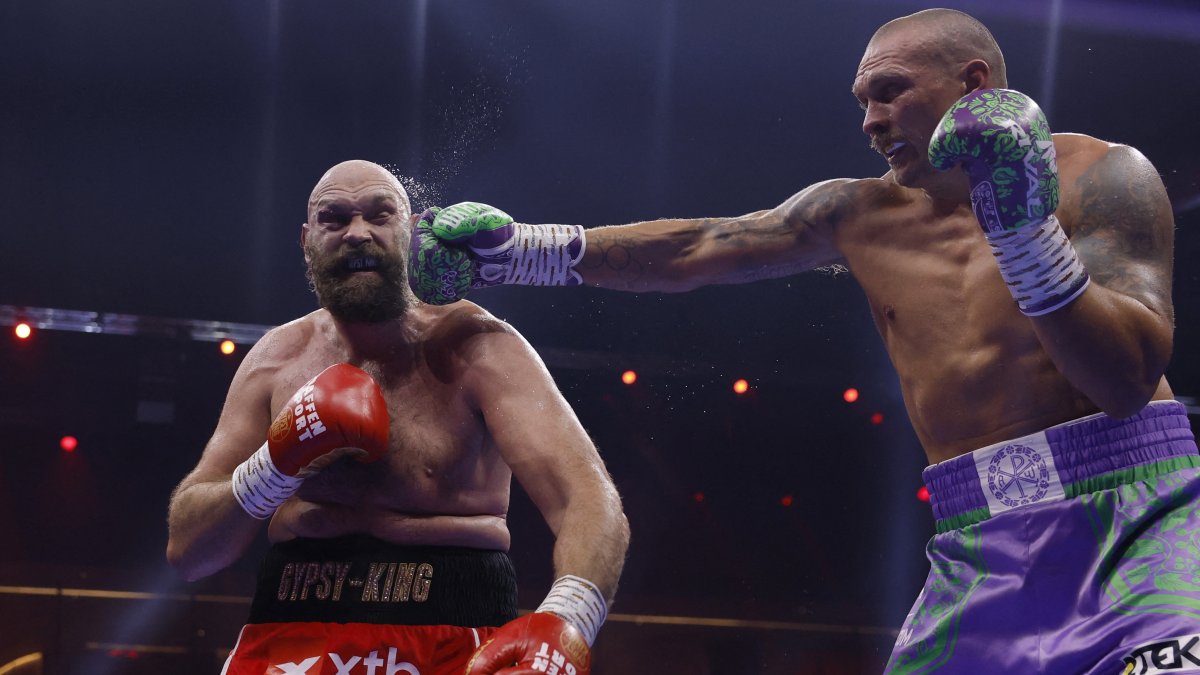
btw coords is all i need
(1128, 398)
(188, 566)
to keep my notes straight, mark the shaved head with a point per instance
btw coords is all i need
(948, 38)
(357, 172)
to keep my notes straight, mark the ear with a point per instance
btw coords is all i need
(303, 240)
(976, 75)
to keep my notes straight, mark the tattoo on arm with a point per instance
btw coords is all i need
(1124, 233)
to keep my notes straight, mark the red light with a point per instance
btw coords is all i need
(923, 493)
(227, 347)
(741, 387)
(68, 443)
(850, 395)
(786, 500)
(699, 497)
(629, 377)
(877, 418)
(22, 330)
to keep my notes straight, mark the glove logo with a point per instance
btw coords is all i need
(983, 202)
(1018, 475)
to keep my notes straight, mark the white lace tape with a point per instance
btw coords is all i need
(542, 256)
(1040, 266)
(579, 602)
(260, 487)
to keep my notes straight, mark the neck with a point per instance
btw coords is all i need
(388, 340)
(950, 188)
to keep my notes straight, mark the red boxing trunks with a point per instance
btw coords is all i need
(359, 606)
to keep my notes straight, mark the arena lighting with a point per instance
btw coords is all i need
(227, 347)
(741, 387)
(68, 443)
(629, 377)
(110, 323)
(22, 330)
(698, 497)
(850, 395)
(923, 493)
(877, 418)
(785, 500)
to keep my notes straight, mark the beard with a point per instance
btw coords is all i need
(358, 296)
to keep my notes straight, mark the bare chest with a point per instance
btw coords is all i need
(436, 439)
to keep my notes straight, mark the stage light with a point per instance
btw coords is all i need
(68, 443)
(785, 500)
(877, 418)
(850, 395)
(23, 330)
(227, 347)
(741, 387)
(923, 493)
(698, 497)
(629, 377)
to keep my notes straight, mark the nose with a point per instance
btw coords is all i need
(876, 120)
(357, 232)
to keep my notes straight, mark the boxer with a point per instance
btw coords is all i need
(377, 438)
(1021, 281)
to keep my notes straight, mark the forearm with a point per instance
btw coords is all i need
(209, 530)
(648, 256)
(1109, 346)
(592, 540)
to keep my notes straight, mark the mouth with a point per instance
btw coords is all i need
(363, 264)
(893, 148)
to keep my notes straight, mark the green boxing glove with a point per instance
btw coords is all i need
(437, 273)
(472, 245)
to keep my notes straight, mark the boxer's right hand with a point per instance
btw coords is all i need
(339, 412)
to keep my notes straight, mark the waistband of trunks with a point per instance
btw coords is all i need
(361, 579)
(1085, 455)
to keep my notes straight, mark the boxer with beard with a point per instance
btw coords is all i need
(378, 437)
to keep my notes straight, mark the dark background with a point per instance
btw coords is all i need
(155, 158)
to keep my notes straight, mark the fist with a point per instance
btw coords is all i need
(1001, 139)
(340, 410)
(438, 273)
(535, 643)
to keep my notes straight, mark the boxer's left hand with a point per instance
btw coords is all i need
(438, 273)
(539, 642)
(1002, 140)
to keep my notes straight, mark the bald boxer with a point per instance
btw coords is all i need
(377, 439)
(1021, 282)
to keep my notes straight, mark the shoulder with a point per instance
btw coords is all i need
(832, 203)
(1093, 159)
(462, 334)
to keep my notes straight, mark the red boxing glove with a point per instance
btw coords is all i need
(537, 643)
(339, 411)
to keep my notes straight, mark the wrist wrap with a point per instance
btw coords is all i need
(1040, 266)
(579, 602)
(260, 487)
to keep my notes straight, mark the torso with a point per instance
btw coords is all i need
(971, 369)
(442, 483)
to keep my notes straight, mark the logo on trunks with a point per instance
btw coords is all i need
(1175, 655)
(1018, 475)
(385, 582)
(371, 665)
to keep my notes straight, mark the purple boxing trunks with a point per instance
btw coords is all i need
(1072, 551)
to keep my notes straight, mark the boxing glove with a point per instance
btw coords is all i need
(1002, 140)
(555, 639)
(341, 411)
(472, 245)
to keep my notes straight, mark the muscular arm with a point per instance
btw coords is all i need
(539, 437)
(208, 528)
(679, 255)
(1114, 342)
